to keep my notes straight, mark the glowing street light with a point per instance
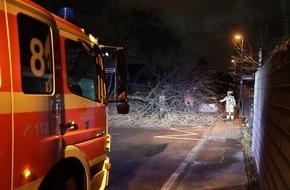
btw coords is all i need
(240, 38)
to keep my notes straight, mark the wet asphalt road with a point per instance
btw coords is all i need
(145, 158)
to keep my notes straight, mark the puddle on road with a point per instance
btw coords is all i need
(148, 150)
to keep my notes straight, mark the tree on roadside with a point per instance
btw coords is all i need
(268, 28)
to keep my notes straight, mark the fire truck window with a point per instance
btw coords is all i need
(35, 56)
(82, 70)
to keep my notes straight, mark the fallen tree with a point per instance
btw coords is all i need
(160, 102)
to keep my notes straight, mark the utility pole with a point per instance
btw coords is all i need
(241, 102)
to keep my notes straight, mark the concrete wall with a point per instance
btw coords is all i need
(271, 127)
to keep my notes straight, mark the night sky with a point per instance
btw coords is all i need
(209, 25)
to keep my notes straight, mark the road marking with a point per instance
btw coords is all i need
(176, 138)
(183, 136)
(186, 163)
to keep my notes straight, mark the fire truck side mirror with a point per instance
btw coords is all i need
(123, 107)
(121, 75)
(115, 66)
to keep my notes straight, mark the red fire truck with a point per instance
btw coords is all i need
(53, 101)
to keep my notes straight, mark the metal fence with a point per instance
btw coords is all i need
(271, 125)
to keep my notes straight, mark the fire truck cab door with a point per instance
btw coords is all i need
(85, 114)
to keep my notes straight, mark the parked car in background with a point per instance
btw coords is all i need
(209, 104)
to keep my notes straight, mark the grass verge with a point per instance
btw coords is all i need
(252, 174)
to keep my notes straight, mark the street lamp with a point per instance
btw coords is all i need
(241, 103)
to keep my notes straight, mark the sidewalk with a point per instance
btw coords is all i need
(220, 162)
